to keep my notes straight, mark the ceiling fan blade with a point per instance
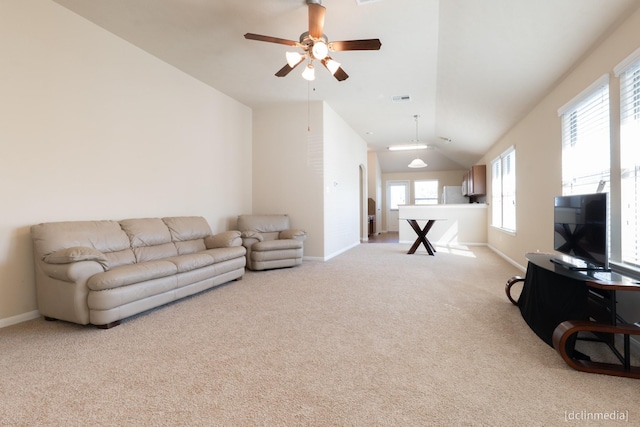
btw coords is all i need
(340, 75)
(287, 69)
(367, 44)
(316, 20)
(269, 39)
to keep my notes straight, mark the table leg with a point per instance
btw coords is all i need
(422, 236)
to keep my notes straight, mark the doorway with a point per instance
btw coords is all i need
(397, 194)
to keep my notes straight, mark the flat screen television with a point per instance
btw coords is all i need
(580, 231)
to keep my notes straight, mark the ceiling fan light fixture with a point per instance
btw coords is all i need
(309, 73)
(332, 66)
(417, 163)
(294, 58)
(320, 50)
(404, 147)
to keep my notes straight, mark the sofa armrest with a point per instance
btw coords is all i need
(74, 272)
(223, 240)
(77, 254)
(293, 234)
(250, 237)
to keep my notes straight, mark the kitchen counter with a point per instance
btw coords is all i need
(464, 224)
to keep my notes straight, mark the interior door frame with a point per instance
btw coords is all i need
(391, 214)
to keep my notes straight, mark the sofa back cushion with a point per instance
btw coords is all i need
(104, 236)
(188, 233)
(269, 226)
(150, 238)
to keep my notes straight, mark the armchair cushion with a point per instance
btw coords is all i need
(293, 234)
(251, 234)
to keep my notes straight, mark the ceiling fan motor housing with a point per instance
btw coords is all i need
(307, 42)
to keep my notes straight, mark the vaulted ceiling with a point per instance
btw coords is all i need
(470, 68)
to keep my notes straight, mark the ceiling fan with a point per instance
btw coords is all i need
(316, 46)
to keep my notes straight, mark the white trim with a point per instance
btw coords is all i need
(626, 63)
(333, 255)
(19, 318)
(506, 258)
(601, 81)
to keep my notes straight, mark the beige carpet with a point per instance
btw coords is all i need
(373, 337)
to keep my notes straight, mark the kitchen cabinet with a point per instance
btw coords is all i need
(474, 182)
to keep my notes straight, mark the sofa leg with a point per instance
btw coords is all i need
(50, 319)
(108, 325)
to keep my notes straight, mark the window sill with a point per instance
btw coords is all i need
(625, 269)
(504, 230)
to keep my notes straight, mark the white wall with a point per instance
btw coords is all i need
(288, 168)
(345, 153)
(307, 166)
(92, 127)
(537, 138)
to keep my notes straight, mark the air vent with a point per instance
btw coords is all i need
(361, 2)
(401, 98)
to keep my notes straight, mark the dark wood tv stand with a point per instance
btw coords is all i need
(558, 303)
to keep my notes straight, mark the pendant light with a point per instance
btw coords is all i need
(417, 162)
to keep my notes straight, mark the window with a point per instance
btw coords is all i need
(585, 140)
(630, 162)
(503, 190)
(426, 192)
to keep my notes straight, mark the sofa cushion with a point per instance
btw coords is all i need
(185, 228)
(150, 238)
(190, 262)
(105, 236)
(190, 246)
(119, 258)
(128, 274)
(225, 254)
(188, 233)
(152, 253)
(146, 231)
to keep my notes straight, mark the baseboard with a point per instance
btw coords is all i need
(333, 255)
(506, 258)
(19, 318)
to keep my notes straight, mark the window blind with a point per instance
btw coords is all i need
(503, 188)
(630, 163)
(496, 193)
(586, 141)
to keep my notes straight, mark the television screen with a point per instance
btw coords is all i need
(580, 228)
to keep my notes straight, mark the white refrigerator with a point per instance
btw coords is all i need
(452, 194)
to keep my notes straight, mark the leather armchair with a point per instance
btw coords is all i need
(270, 241)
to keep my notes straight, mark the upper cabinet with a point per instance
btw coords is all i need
(474, 182)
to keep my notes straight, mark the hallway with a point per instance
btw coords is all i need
(389, 237)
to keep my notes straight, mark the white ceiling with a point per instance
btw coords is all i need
(472, 68)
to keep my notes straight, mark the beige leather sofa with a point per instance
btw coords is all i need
(270, 241)
(99, 272)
